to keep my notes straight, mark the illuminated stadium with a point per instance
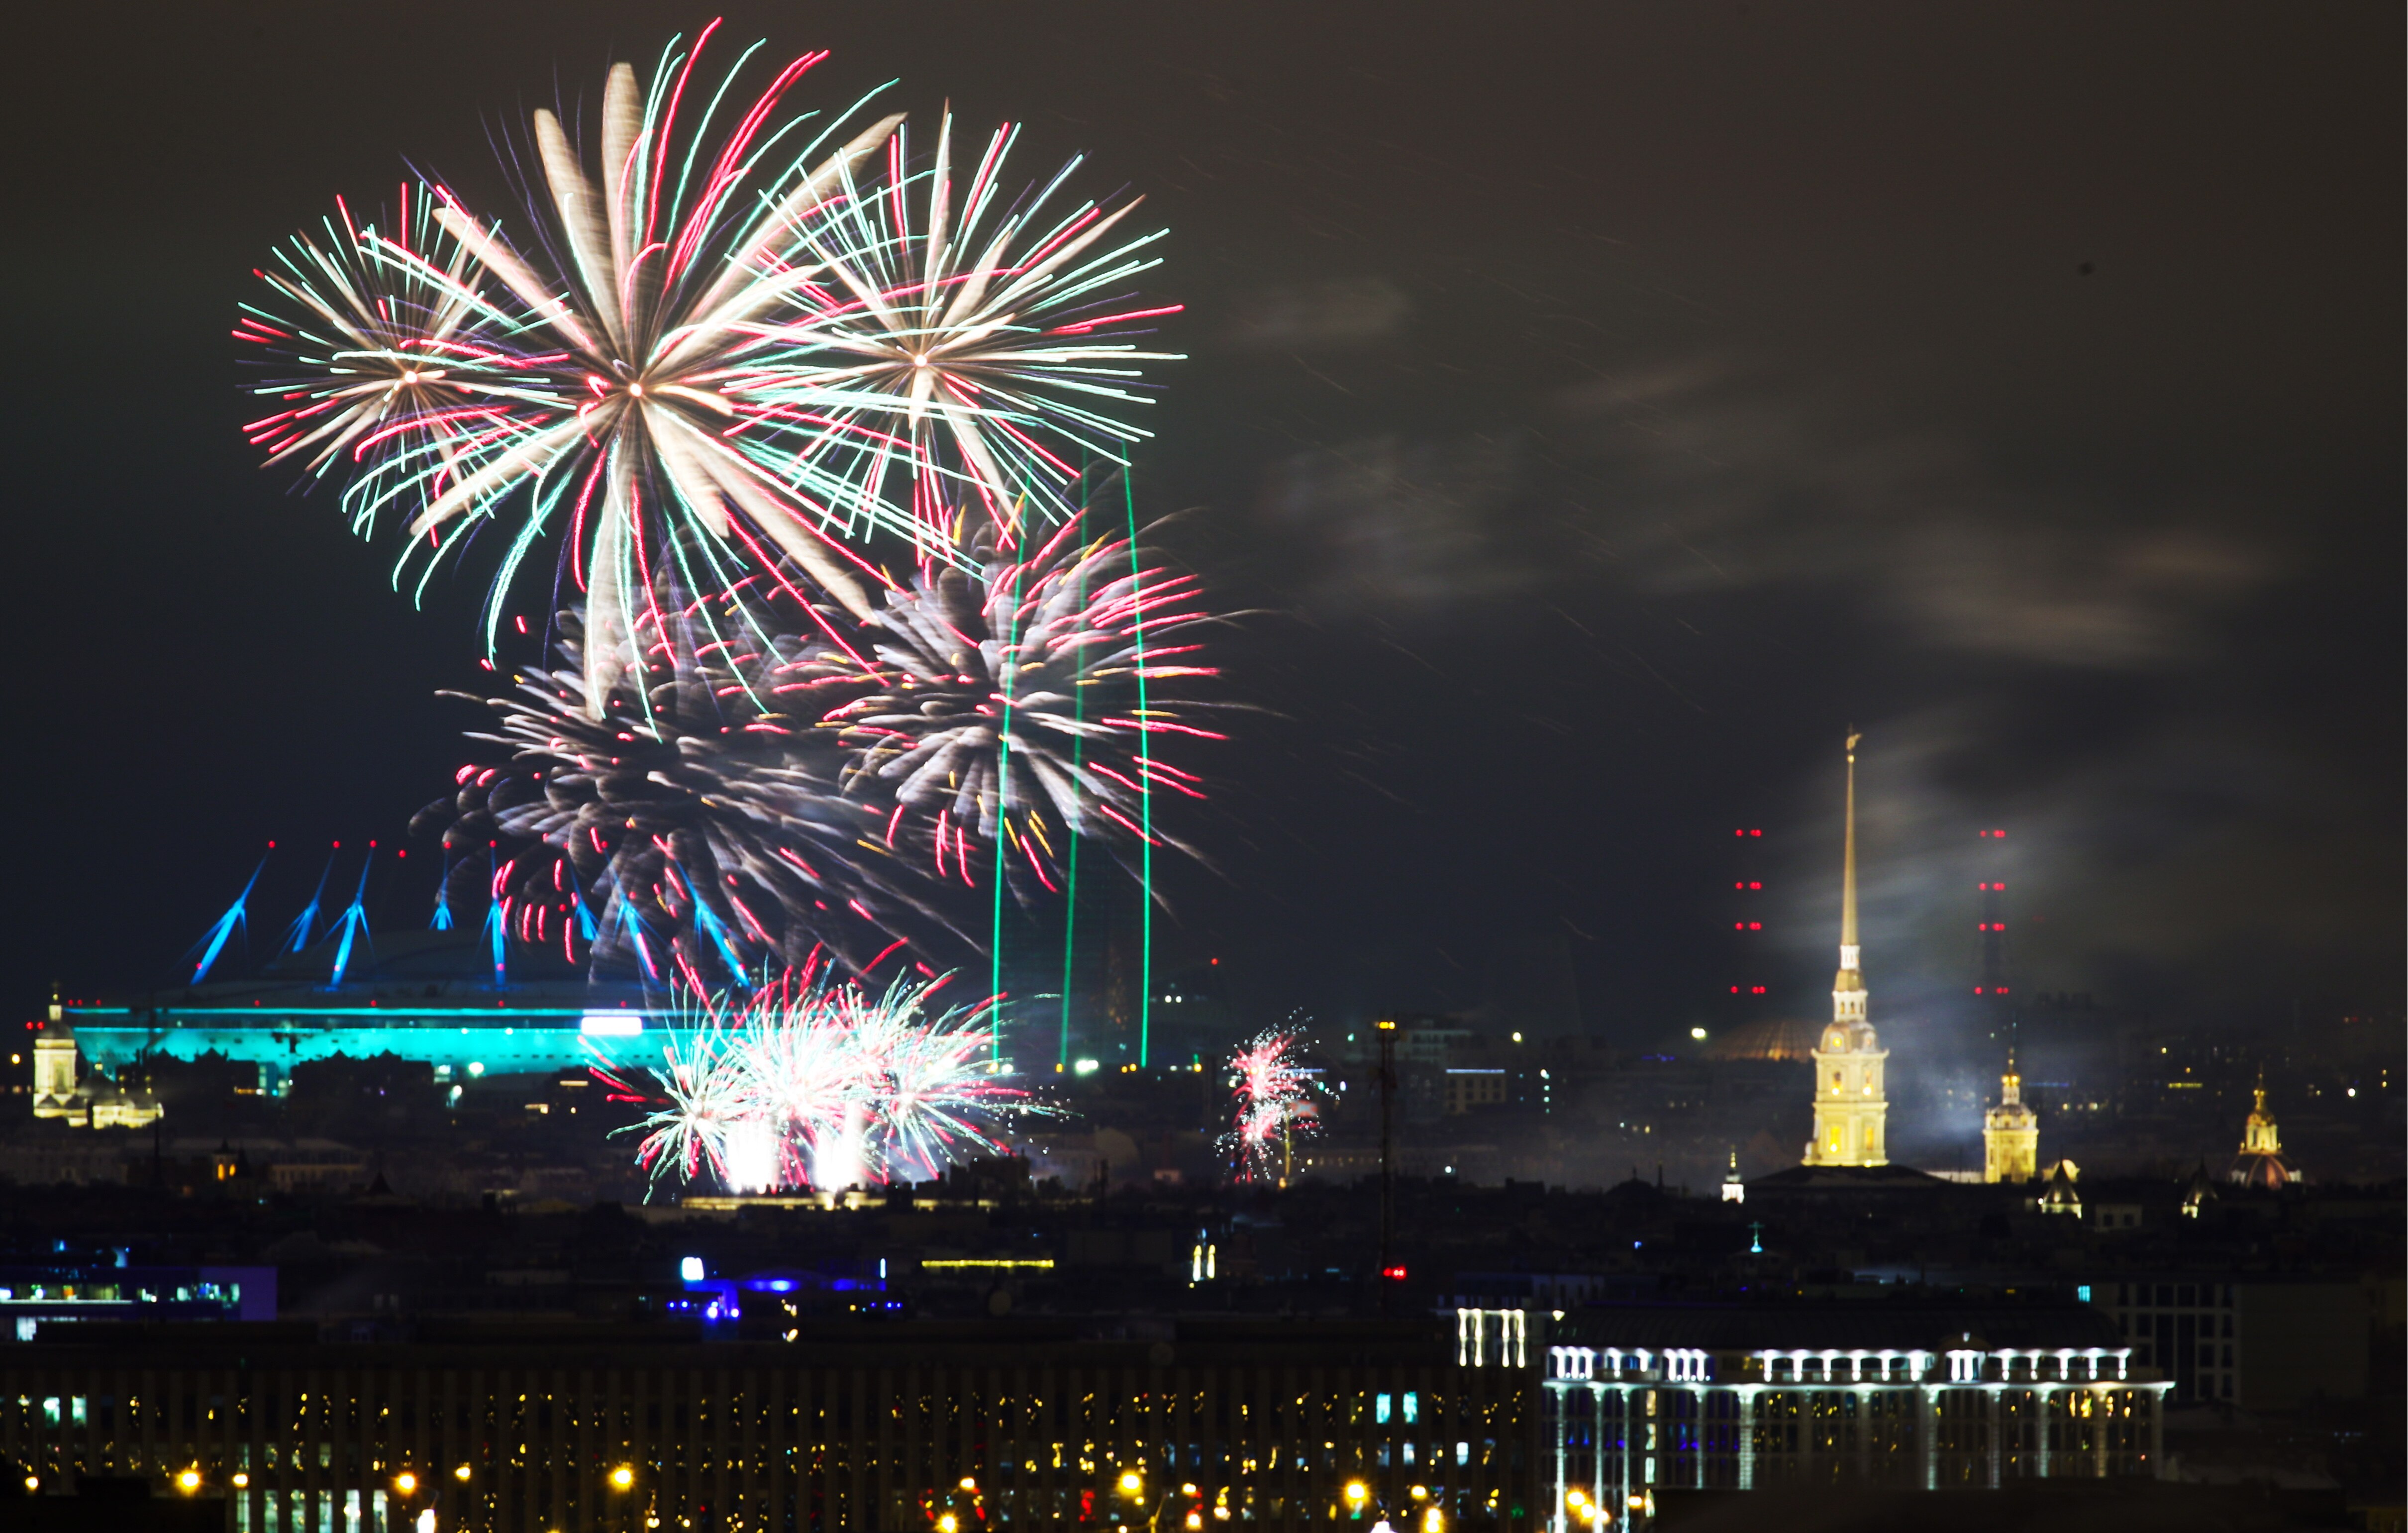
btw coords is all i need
(470, 1003)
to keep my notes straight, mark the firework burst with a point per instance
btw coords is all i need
(631, 323)
(731, 339)
(1021, 705)
(372, 335)
(814, 1080)
(967, 342)
(694, 828)
(1272, 1097)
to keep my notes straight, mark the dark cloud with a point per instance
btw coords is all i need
(1339, 312)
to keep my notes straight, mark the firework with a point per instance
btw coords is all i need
(1013, 706)
(372, 332)
(966, 343)
(1273, 1105)
(814, 1080)
(634, 323)
(701, 1106)
(730, 338)
(693, 828)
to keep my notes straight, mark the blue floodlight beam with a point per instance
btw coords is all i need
(235, 919)
(497, 930)
(354, 925)
(443, 922)
(707, 921)
(299, 938)
(634, 926)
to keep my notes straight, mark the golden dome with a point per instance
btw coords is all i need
(1850, 1037)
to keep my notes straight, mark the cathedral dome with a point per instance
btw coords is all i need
(1787, 1038)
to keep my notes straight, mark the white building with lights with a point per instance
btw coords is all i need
(1644, 1399)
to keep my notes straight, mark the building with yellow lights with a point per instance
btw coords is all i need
(2260, 1161)
(2010, 1134)
(841, 1426)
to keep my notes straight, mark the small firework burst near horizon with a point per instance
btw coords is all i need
(816, 1081)
(1272, 1095)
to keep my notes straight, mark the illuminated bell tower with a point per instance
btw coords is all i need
(1851, 1114)
(2010, 1133)
(54, 1066)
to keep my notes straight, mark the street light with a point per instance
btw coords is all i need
(1132, 1484)
(188, 1482)
(406, 1484)
(624, 1477)
(1356, 1494)
(460, 1473)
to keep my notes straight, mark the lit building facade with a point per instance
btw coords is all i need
(1626, 1424)
(1025, 1426)
(97, 1103)
(1851, 1111)
(1706, 1398)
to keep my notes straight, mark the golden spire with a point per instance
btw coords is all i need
(1849, 963)
(1848, 874)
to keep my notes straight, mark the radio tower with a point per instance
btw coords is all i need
(1745, 971)
(1991, 988)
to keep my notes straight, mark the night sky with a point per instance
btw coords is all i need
(1602, 407)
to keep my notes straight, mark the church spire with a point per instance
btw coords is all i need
(1851, 952)
(1850, 1111)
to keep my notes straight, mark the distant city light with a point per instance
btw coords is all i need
(476, 1067)
(690, 1269)
(1697, 1033)
(611, 1023)
(1084, 1066)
